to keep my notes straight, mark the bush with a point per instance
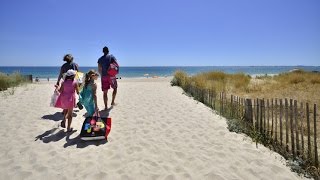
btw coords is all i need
(315, 80)
(13, 80)
(179, 78)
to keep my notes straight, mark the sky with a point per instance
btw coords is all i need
(161, 32)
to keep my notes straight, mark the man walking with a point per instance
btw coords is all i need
(107, 80)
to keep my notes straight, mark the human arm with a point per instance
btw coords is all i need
(61, 88)
(94, 92)
(100, 69)
(77, 88)
(59, 77)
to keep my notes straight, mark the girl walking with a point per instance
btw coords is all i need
(88, 95)
(67, 98)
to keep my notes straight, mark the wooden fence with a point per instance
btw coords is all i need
(290, 125)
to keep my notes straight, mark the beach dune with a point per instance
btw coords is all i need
(157, 133)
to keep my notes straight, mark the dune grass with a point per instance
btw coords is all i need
(298, 85)
(218, 81)
(12, 80)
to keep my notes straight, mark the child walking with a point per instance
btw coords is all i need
(67, 98)
(88, 96)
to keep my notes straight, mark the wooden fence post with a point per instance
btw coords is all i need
(264, 116)
(214, 99)
(315, 135)
(301, 130)
(287, 124)
(238, 107)
(248, 115)
(261, 115)
(276, 124)
(243, 107)
(220, 103)
(308, 125)
(231, 105)
(296, 127)
(268, 122)
(272, 110)
(281, 109)
(226, 104)
(291, 129)
(254, 114)
(257, 120)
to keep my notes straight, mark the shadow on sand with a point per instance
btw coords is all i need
(55, 134)
(57, 116)
(80, 143)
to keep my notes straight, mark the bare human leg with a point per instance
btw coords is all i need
(105, 98)
(69, 116)
(114, 93)
(65, 114)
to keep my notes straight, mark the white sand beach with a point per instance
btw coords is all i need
(157, 133)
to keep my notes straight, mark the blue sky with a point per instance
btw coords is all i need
(161, 32)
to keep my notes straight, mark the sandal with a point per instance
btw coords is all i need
(63, 124)
(70, 130)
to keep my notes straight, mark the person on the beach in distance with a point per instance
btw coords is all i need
(67, 98)
(88, 95)
(107, 80)
(66, 66)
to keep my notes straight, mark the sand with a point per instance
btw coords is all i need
(157, 133)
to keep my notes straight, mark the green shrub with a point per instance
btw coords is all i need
(179, 79)
(12, 80)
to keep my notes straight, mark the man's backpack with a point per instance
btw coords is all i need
(113, 69)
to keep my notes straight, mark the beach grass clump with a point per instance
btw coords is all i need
(291, 77)
(240, 81)
(298, 77)
(216, 81)
(12, 80)
(179, 79)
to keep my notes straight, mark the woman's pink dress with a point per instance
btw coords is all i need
(67, 98)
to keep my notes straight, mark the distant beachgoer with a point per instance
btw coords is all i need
(88, 95)
(37, 79)
(67, 99)
(107, 80)
(48, 79)
(66, 66)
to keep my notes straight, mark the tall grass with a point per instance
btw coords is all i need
(12, 80)
(298, 85)
(217, 81)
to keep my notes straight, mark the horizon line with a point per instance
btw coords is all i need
(178, 66)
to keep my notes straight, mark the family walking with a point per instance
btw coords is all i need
(69, 83)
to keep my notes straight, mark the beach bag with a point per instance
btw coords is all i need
(54, 98)
(113, 69)
(79, 77)
(95, 128)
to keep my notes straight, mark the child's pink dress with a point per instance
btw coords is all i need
(67, 98)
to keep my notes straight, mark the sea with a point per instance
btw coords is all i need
(158, 71)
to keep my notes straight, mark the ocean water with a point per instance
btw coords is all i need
(128, 72)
